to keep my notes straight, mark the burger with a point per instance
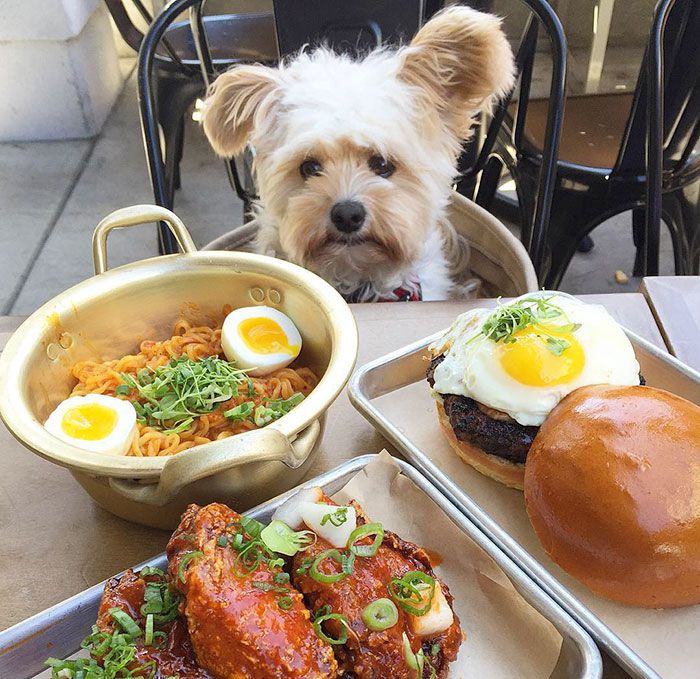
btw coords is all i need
(612, 489)
(496, 374)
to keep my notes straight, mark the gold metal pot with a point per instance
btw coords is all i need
(106, 317)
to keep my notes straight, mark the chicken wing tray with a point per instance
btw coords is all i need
(394, 394)
(419, 592)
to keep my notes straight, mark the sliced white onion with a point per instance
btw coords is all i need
(437, 619)
(313, 514)
(288, 511)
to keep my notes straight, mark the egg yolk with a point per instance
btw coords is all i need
(265, 336)
(89, 422)
(530, 359)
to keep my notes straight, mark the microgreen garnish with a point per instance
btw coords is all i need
(275, 408)
(508, 319)
(172, 395)
(337, 518)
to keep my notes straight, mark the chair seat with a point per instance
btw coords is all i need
(592, 129)
(232, 38)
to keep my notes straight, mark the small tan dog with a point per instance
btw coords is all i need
(355, 158)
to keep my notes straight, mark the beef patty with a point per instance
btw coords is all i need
(504, 438)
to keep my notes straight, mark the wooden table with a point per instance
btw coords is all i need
(675, 303)
(55, 542)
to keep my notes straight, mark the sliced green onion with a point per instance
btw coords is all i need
(324, 610)
(415, 661)
(148, 635)
(269, 587)
(364, 531)
(123, 390)
(344, 627)
(337, 518)
(333, 555)
(251, 526)
(250, 557)
(304, 566)
(125, 621)
(276, 563)
(184, 560)
(434, 649)
(380, 615)
(153, 599)
(281, 578)
(279, 537)
(285, 602)
(237, 542)
(408, 592)
(151, 570)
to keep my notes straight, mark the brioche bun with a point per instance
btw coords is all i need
(509, 473)
(612, 489)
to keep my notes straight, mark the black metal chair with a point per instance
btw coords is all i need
(370, 21)
(170, 79)
(656, 172)
(485, 170)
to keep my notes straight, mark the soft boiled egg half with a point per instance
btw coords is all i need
(260, 339)
(95, 422)
(558, 344)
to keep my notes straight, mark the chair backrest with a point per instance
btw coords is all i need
(127, 29)
(346, 26)
(541, 16)
(678, 46)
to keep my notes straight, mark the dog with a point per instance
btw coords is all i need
(355, 158)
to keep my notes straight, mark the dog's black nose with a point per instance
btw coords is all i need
(348, 215)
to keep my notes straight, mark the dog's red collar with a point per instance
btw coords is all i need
(410, 293)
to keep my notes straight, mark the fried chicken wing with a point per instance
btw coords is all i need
(369, 654)
(250, 625)
(173, 657)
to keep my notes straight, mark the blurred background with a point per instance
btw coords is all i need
(72, 148)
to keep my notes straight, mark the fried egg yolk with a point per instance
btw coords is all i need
(531, 360)
(265, 336)
(89, 422)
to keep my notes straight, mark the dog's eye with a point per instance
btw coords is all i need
(381, 166)
(310, 168)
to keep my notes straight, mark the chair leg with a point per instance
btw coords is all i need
(638, 234)
(586, 244)
(175, 95)
(488, 183)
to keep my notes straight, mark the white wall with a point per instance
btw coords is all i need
(59, 72)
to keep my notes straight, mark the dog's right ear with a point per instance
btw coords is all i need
(237, 102)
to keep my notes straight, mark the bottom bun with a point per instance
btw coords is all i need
(511, 474)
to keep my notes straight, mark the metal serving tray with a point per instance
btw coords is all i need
(647, 643)
(59, 630)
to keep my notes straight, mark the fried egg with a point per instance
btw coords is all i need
(526, 372)
(95, 422)
(260, 339)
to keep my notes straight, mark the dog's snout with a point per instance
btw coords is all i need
(348, 215)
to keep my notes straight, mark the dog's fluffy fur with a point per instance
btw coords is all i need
(413, 106)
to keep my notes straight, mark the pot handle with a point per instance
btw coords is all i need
(132, 216)
(258, 445)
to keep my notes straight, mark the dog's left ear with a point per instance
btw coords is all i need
(463, 62)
